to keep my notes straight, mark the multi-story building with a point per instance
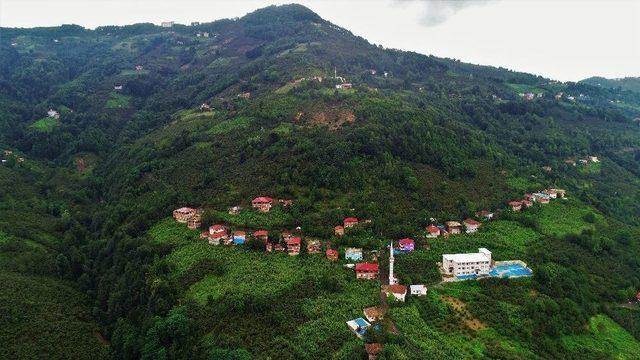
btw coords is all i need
(467, 264)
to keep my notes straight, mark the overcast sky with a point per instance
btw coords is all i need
(561, 39)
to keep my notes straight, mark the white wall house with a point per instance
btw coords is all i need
(467, 264)
(418, 290)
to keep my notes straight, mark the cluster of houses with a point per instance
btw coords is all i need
(541, 197)
(583, 161)
(392, 290)
(530, 96)
(8, 154)
(452, 227)
(453, 265)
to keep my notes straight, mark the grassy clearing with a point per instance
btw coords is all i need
(228, 126)
(168, 231)
(425, 342)
(562, 217)
(133, 72)
(604, 337)
(522, 184)
(590, 168)
(523, 88)
(45, 125)
(117, 101)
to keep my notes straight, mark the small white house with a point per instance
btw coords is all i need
(54, 114)
(167, 24)
(418, 290)
(399, 292)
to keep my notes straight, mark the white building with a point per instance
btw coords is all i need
(418, 290)
(53, 114)
(467, 264)
(392, 279)
(167, 24)
(399, 292)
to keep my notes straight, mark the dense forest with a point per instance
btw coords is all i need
(104, 132)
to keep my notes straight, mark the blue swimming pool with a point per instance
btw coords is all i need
(502, 271)
(510, 270)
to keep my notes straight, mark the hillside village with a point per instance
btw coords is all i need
(246, 188)
(364, 262)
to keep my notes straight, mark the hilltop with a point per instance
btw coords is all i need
(283, 103)
(628, 83)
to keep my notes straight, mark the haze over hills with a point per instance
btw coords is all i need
(412, 138)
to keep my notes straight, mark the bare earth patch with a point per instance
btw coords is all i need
(470, 321)
(331, 118)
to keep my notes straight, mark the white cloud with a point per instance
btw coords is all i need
(437, 12)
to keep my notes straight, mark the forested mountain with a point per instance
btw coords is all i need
(628, 83)
(87, 243)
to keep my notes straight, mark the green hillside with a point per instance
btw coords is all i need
(629, 83)
(87, 243)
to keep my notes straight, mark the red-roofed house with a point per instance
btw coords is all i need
(406, 245)
(471, 225)
(515, 205)
(433, 231)
(350, 222)
(262, 203)
(399, 292)
(527, 203)
(261, 235)
(339, 230)
(217, 233)
(332, 254)
(368, 271)
(293, 246)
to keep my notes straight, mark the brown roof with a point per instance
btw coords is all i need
(374, 312)
(396, 289)
(373, 349)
